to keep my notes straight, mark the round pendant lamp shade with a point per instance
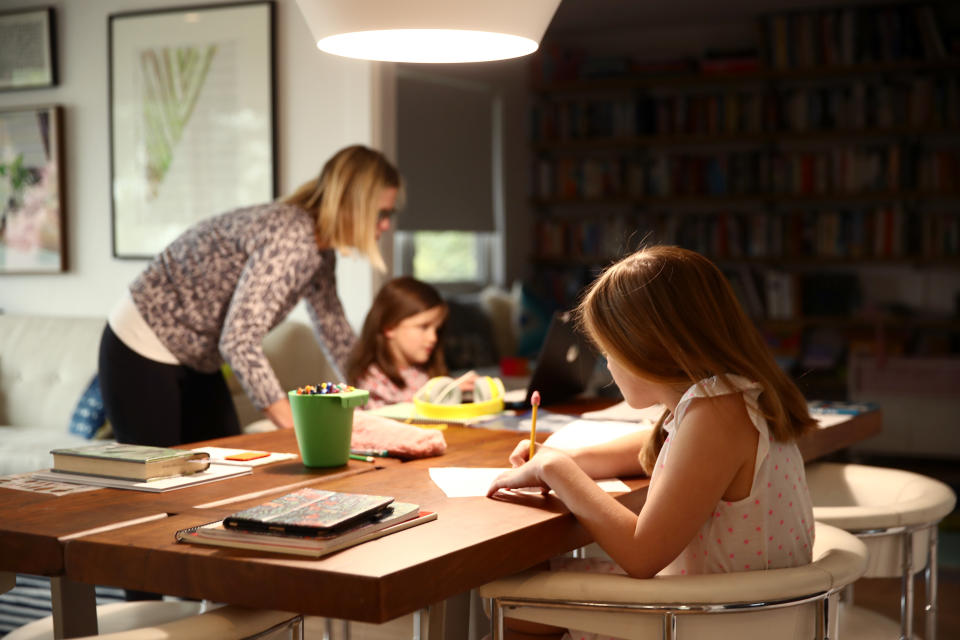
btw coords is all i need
(428, 30)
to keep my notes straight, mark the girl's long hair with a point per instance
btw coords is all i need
(398, 299)
(670, 316)
(344, 199)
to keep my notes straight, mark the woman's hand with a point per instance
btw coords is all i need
(528, 473)
(280, 414)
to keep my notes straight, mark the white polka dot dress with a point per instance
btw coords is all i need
(769, 529)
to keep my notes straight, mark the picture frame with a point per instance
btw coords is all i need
(192, 119)
(28, 51)
(32, 219)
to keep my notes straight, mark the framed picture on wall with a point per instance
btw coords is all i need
(28, 55)
(192, 111)
(32, 229)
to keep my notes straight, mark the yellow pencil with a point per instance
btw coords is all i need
(535, 402)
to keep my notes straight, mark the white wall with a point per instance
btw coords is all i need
(323, 103)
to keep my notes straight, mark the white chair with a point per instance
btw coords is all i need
(158, 620)
(799, 602)
(895, 513)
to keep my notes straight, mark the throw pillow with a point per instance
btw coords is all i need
(89, 415)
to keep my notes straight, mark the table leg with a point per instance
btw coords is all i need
(428, 623)
(74, 608)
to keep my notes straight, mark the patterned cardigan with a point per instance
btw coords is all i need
(217, 290)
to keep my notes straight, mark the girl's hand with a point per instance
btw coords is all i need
(529, 473)
(521, 452)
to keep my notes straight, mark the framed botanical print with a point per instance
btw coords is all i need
(192, 108)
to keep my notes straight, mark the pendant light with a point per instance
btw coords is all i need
(428, 30)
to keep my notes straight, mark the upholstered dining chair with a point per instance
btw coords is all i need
(183, 620)
(895, 513)
(799, 602)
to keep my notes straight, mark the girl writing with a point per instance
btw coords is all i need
(399, 345)
(727, 485)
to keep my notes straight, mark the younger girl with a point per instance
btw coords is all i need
(727, 485)
(399, 345)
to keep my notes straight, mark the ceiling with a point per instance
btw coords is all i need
(591, 16)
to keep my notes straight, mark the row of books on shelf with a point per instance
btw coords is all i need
(843, 170)
(886, 232)
(309, 522)
(853, 35)
(922, 102)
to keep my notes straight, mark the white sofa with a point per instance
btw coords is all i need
(46, 363)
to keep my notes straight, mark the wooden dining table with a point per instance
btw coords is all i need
(126, 538)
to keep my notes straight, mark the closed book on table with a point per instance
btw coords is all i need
(129, 461)
(391, 519)
(308, 512)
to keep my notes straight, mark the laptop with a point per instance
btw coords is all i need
(563, 368)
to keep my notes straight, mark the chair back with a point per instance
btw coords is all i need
(798, 602)
(880, 505)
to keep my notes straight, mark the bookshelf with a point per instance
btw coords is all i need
(830, 150)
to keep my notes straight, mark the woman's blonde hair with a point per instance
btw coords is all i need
(670, 316)
(345, 199)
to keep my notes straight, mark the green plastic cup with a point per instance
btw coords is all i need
(323, 424)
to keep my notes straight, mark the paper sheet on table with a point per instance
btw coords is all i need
(828, 419)
(219, 455)
(468, 482)
(625, 413)
(581, 433)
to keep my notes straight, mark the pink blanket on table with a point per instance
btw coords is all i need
(399, 439)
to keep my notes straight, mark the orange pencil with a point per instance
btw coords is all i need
(535, 402)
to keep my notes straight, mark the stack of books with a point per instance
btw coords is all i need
(138, 467)
(309, 522)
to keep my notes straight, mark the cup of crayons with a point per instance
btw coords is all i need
(323, 421)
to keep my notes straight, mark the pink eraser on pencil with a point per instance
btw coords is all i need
(535, 399)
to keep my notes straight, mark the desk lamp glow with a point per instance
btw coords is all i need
(428, 30)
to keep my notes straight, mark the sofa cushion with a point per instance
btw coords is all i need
(46, 362)
(27, 448)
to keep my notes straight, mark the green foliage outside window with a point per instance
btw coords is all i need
(446, 256)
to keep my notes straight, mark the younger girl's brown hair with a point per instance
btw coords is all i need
(669, 315)
(344, 199)
(398, 299)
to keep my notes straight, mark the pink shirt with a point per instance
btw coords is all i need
(769, 529)
(384, 391)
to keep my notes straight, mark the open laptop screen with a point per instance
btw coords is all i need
(565, 364)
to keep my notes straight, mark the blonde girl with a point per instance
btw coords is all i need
(727, 489)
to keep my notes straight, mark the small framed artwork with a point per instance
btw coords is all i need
(192, 133)
(32, 229)
(28, 53)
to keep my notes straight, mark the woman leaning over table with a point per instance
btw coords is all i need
(213, 294)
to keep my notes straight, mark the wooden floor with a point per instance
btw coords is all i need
(883, 596)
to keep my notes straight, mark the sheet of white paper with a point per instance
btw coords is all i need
(469, 482)
(580, 433)
(625, 413)
(213, 473)
(829, 419)
(219, 455)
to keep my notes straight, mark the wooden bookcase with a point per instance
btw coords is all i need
(835, 150)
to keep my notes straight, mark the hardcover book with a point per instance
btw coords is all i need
(308, 512)
(395, 517)
(129, 461)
